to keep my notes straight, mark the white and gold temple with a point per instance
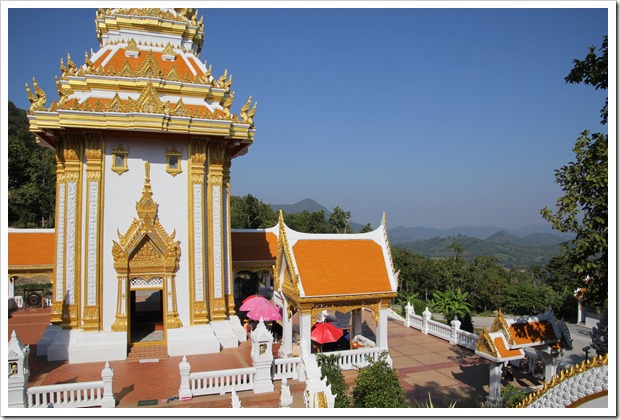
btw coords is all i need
(144, 137)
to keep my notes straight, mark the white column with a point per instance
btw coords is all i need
(356, 322)
(382, 333)
(305, 325)
(495, 386)
(262, 358)
(185, 393)
(287, 331)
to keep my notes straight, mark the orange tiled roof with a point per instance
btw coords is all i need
(118, 61)
(339, 267)
(532, 332)
(505, 352)
(32, 248)
(254, 246)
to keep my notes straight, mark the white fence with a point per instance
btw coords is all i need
(81, 394)
(289, 367)
(357, 358)
(451, 333)
(221, 381)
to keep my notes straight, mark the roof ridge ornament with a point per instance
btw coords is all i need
(37, 99)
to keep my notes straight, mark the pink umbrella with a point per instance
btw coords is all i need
(268, 311)
(252, 302)
(325, 332)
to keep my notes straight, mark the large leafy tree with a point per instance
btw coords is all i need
(32, 176)
(583, 207)
(248, 212)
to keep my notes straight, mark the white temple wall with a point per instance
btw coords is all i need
(121, 193)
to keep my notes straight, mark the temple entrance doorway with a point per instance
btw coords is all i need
(146, 317)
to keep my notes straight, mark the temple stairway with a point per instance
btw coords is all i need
(148, 351)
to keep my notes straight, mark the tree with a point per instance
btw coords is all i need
(451, 303)
(377, 386)
(249, 212)
(330, 369)
(32, 176)
(366, 228)
(583, 207)
(339, 220)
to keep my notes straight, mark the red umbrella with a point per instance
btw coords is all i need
(252, 302)
(325, 332)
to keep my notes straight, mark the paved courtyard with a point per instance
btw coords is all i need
(426, 366)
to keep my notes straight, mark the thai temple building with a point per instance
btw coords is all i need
(144, 137)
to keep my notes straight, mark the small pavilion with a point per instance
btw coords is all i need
(508, 339)
(338, 272)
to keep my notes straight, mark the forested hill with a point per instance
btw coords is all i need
(511, 251)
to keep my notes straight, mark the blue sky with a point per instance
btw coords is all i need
(440, 117)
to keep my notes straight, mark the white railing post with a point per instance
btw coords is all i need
(456, 325)
(426, 316)
(107, 375)
(185, 392)
(409, 310)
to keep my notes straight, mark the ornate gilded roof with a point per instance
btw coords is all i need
(146, 74)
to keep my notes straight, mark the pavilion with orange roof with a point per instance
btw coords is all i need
(508, 339)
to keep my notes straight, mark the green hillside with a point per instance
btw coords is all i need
(512, 251)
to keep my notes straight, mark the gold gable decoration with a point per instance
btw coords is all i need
(500, 324)
(485, 344)
(147, 225)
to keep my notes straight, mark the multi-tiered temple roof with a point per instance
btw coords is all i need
(146, 76)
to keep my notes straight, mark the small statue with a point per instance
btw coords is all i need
(226, 103)
(71, 64)
(244, 111)
(222, 80)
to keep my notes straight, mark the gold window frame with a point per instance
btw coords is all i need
(119, 151)
(173, 154)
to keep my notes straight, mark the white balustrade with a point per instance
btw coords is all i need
(357, 358)
(466, 339)
(80, 394)
(439, 330)
(416, 321)
(286, 368)
(221, 381)
(83, 394)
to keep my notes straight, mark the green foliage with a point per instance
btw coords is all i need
(307, 222)
(451, 303)
(527, 299)
(32, 176)
(249, 212)
(46, 287)
(583, 207)
(331, 370)
(366, 228)
(339, 221)
(511, 396)
(377, 386)
(430, 403)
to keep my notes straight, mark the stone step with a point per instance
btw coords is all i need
(157, 351)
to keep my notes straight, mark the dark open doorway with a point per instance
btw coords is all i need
(147, 316)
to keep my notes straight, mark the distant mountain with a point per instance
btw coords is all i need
(306, 204)
(406, 234)
(511, 251)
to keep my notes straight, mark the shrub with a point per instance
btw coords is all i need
(377, 386)
(331, 370)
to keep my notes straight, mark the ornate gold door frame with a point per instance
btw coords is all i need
(146, 251)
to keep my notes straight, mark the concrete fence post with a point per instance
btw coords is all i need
(426, 316)
(107, 375)
(185, 393)
(19, 373)
(409, 310)
(456, 326)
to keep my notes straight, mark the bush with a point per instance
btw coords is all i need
(46, 287)
(511, 396)
(331, 370)
(377, 386)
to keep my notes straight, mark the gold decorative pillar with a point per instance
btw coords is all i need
(197, 262)
(172, 315)
(72, 152)
(91, 318)
(216, 230)
(228, 273)
(58, 293)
